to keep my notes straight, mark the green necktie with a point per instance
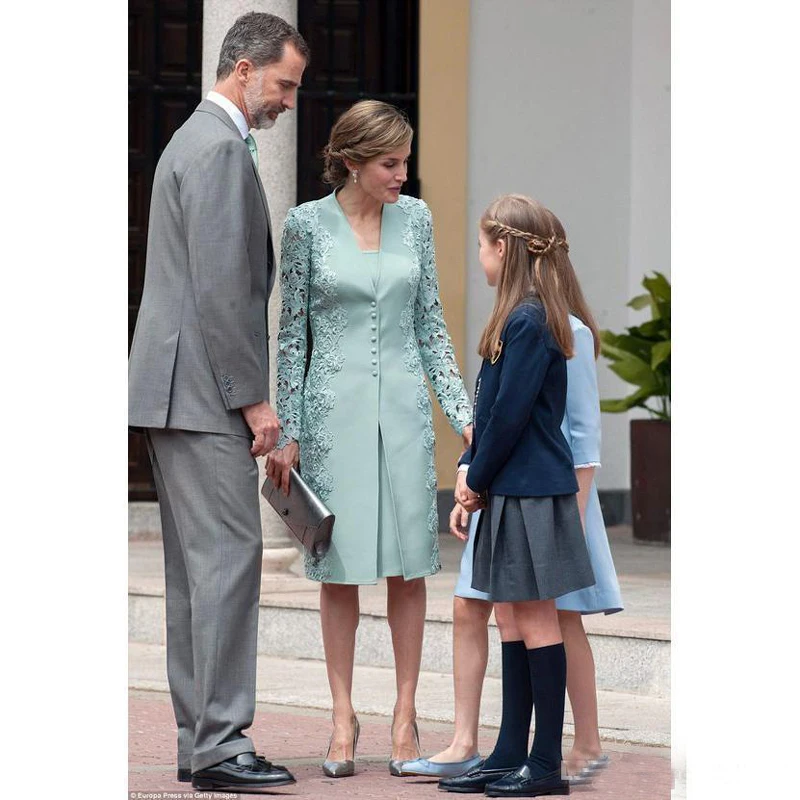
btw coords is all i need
(251, 146)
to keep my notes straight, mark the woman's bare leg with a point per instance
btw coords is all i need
(406, 613)
(338, 608)
(582, 691)
(470, 656)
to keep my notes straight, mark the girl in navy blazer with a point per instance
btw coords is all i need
(529, 548)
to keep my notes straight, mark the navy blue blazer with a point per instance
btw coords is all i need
(518, 448)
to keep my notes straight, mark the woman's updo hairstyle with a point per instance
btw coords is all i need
(368, 129)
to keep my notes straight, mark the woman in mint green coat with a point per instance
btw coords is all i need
(358, 271)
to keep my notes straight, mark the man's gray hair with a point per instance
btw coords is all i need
(260, 38)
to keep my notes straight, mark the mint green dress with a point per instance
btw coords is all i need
(359, 406)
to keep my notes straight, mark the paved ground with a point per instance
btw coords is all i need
(296, 732)
(298, 738)
(302, 683)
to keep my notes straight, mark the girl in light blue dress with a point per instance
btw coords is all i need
(472, 608)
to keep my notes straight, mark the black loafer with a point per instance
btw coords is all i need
(244, 771)
(519, 783)
(185, 775)
(472, 782)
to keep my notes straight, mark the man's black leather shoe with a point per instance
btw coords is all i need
(243, 771)
(185, 775)
(472, 782)
(519, 783)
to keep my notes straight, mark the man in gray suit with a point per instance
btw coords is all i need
(199, 390)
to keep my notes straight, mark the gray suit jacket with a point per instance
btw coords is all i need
(199, 351)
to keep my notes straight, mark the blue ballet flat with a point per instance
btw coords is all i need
(431, 769)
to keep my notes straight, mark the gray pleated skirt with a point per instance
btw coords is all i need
(530, 548)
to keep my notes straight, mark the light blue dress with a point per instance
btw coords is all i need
(581, 428)
(359, 406)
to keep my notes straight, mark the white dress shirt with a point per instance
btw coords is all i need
(232, 110)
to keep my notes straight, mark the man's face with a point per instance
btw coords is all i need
(272, 89)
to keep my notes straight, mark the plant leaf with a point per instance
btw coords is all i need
(616, 406)
(637, 399)
(661, 353)
(615, 347)
(642, 355)
(640, 302)
(634, 370)
(654, 329)
(658, 287)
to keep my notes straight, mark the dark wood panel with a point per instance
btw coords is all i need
(137, 44)
(164, 72)
(138, 124)
(360, 49)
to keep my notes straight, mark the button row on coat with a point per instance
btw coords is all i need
(374, 339)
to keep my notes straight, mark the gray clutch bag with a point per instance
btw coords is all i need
(307, 517)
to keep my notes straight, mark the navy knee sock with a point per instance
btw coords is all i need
(548, 676)
(512, 740)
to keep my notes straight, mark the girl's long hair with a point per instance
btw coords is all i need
(536, 262)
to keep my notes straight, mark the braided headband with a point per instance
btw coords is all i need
(537, 245)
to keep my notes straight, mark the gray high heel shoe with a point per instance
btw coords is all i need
(396, 764)
(342, 769)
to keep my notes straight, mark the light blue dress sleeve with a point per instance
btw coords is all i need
(433, 340)
(295, 273)
(582, 418)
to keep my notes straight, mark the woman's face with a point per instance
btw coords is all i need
(491, 257)
(383, 177)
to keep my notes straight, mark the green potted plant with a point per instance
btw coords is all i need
(642, 357)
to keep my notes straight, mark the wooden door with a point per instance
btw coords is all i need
(164, 71)
(359, 49)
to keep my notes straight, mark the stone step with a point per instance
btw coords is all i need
(624, 717)
(628, 659)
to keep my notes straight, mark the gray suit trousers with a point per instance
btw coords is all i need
(207, 485)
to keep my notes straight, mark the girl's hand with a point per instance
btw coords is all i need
(459, 522)
(465, 497)
(472, 501)
(280, 463)
(466, 436)
(461, 485)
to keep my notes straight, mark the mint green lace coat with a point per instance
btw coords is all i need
(377, 331)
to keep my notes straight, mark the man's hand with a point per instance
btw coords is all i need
(459, 522)
(263, 422)
(280, 463)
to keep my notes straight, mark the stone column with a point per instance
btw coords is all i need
(277, 158)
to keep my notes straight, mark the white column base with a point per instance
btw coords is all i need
(278, 560)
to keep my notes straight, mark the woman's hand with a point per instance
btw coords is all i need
(459, 522)
(466, 436)
(280, 463)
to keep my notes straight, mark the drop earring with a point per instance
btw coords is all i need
(355, 176)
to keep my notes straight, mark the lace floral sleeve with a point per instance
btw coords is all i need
(435, 346)
(295, 272)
